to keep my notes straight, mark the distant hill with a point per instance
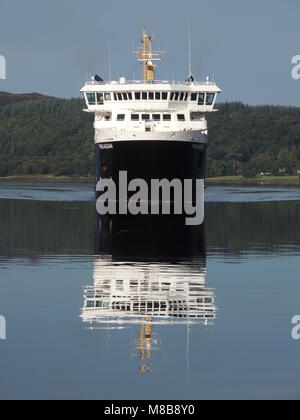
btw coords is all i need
(7, 98)
(40, 135)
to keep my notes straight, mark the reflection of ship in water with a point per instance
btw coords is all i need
(151, 289)
(132, 292)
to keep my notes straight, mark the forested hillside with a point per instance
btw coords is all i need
(50, 136)
(53, 136)
(247, 140)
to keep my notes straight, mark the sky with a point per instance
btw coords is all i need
(51, 47)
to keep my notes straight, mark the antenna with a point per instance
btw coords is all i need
(109, 65)
(190, 47)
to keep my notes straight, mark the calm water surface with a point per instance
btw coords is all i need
(145, 309)
(74, 191)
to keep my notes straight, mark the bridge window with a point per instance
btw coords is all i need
(120, 96)
(210, 97)
(177, 94)
(172, 96)
(124, 94)
(121, 117)
(186, 96)
(194, 96)
(151, 96)
(90, 304)
(156, 117)
(164, 96)
(144, 96)
(157, 96)
(146, 117)
(135, 117)
(107, 96)
(137, 96)
(181, 117)
(201, 99)
(129, 96)
(115, 97)
(167, 117)
(182, 95)
(91, 98)
(100, 98)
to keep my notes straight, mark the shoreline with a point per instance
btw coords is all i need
(224, 180)
(288, 181)
(47, 178)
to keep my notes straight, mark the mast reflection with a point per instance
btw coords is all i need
(148, 272)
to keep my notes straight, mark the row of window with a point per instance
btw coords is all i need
(141, 96)
(200, 97)
(153, 117)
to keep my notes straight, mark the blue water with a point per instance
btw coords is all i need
(74, 191)
(247, 264)
(46, 191)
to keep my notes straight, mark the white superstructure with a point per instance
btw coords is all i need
(150, 109)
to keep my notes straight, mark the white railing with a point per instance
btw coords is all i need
(156, 82)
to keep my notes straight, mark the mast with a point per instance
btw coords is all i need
(147, 56)
(144, 53)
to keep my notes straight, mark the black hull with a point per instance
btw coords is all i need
(149, 160)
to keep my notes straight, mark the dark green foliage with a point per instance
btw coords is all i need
(54, 136)
(49, 136)
(248, 140)
(12, 98)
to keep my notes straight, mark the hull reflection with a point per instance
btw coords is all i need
(149, 272)
(153, 238)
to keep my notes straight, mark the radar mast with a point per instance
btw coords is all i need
(147, 56)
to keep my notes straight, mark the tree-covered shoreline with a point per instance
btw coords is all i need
(254, 140)
(48, 136)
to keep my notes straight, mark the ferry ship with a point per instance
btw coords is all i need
(152, 129)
